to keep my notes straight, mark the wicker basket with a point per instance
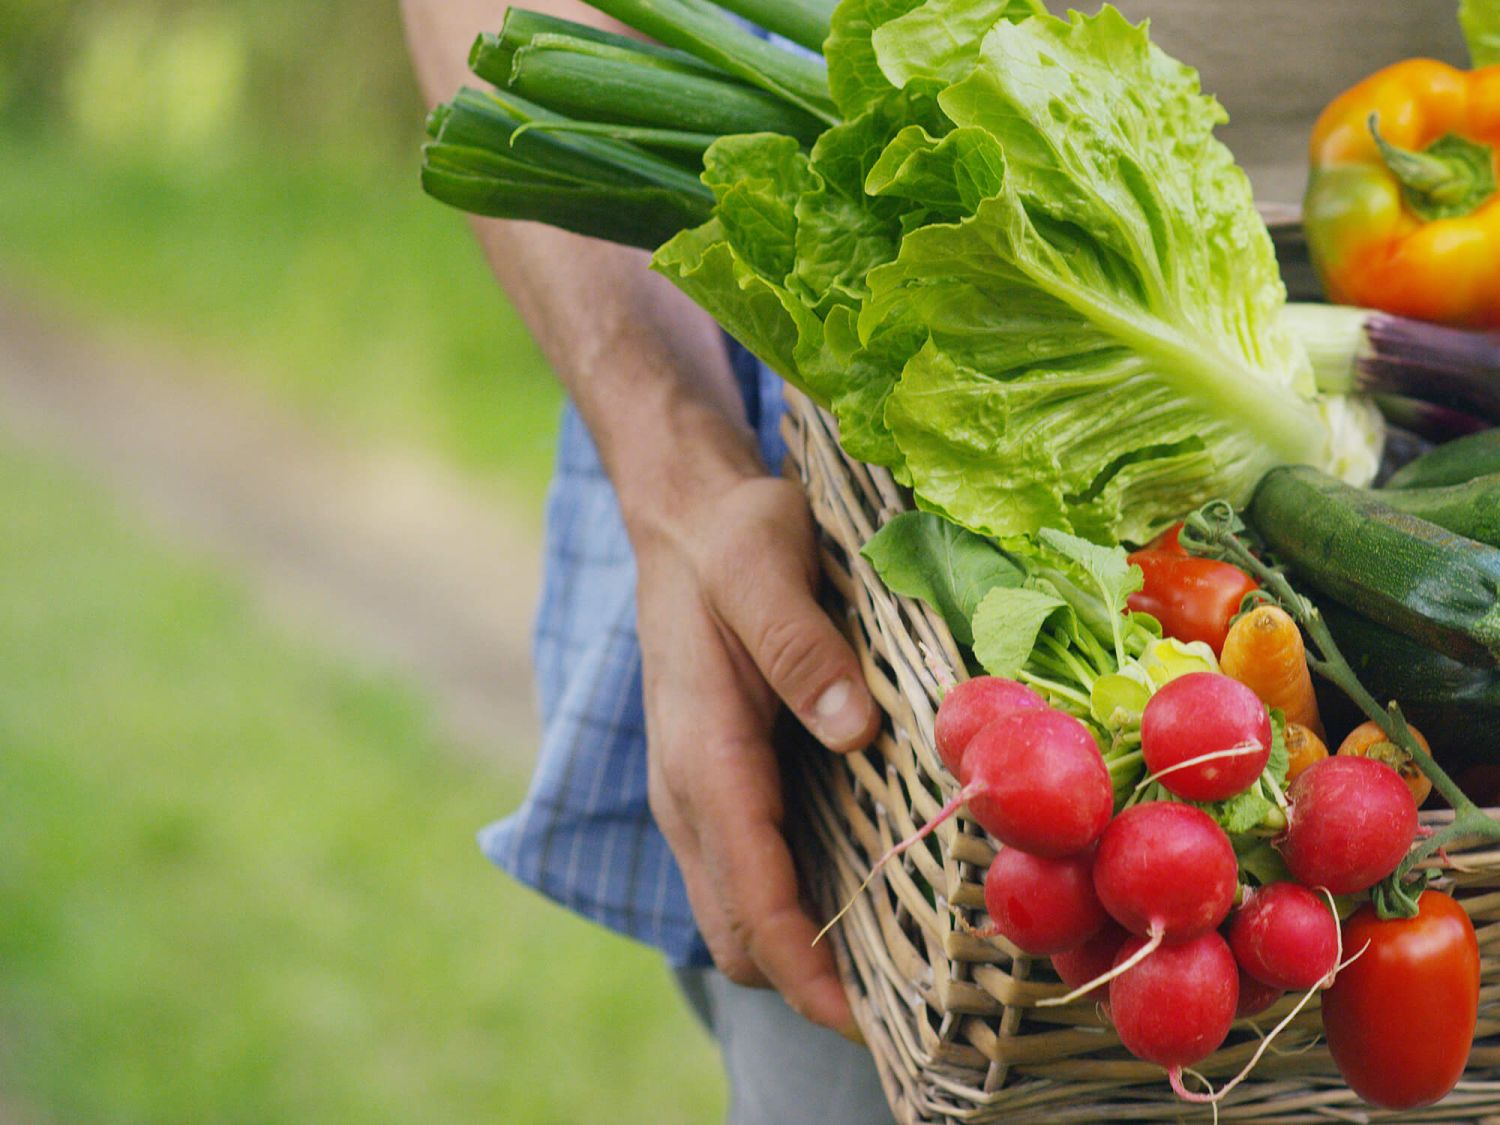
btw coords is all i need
(951, 1019)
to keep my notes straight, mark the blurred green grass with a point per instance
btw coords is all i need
(335, 287)
(239, 880)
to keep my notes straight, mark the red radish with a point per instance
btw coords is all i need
(1206, 716)
(1165, 869)
(1043, 905)
(1255, 996)
(1165, 872)
(972, 705)
(1351, 821)
(1285, 935)
(1081, 964)
(1175, 1007)
(1035, 780)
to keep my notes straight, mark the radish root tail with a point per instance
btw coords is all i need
(1214, 756)
(1129, 963)
(1213, 1097)
(953, 805)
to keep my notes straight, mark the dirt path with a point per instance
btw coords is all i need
(392, 556)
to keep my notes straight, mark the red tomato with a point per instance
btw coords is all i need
(1400, 1020)
(1193, 598)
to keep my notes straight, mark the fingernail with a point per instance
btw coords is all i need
(840, 713)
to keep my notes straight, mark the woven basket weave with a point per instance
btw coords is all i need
(951, 1019)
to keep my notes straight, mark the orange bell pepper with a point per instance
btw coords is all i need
(1402, 212)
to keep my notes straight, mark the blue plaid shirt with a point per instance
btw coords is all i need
(584, 835)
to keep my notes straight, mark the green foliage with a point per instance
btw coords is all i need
(341, 290)
(923, 556)
(240, 882)
(282, 73)
(1030, 281)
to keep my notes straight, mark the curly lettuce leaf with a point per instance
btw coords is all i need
(939, 40)
(1103, 348)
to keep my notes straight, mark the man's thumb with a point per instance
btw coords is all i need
(803, 656)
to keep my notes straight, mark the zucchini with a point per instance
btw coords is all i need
(1453, 462)
(1471, 509)
(1456, 706)
(1440, 589)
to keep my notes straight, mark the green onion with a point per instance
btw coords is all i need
(704, 31)
(496, 154)
(674, 140)
(597, 82)
(804, 22)
(643, 216)
(491, 119)
(490, 56)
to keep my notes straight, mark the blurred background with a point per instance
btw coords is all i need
(272, 455)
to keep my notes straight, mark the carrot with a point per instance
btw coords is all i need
(1303, 748)
(1368, 741)
(1264, 652)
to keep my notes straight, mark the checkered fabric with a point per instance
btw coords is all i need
(584, 834)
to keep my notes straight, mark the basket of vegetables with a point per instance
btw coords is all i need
(1100, 864)
(946, 950)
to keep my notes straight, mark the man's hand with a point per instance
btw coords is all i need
(730, 629)
(727, 565)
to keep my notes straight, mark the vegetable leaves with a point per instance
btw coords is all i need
(1024, 274)
(952, 570)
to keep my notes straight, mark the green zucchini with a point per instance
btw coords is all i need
(1456, 706)
(1440, 589)
(1453, 462)
(1471, 509)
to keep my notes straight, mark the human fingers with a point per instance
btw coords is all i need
(762, 584)
(752, 869)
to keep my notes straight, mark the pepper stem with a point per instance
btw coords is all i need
(1450, 178)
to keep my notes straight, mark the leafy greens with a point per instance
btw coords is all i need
(1023, 274)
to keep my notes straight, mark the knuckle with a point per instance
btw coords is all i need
(792, 657)
(737, 960)
(738, 967)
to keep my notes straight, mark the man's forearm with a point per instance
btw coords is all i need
(645, 366)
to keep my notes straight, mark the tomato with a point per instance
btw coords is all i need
(1169, 541)
(1400, 1020)
(1193, 598)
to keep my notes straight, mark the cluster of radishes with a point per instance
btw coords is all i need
(1132, 908)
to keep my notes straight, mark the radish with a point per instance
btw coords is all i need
(1285, 936)
(1083, 963)
(1043, 905)
(1035, 780)
(1205, 736)
(1165, 870)
(1351, 821)
(972, 705)
(1175, 1007)
(1255, 996)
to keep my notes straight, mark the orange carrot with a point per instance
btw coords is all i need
(1264, 652)
(1368, 741)
(1303, 748)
